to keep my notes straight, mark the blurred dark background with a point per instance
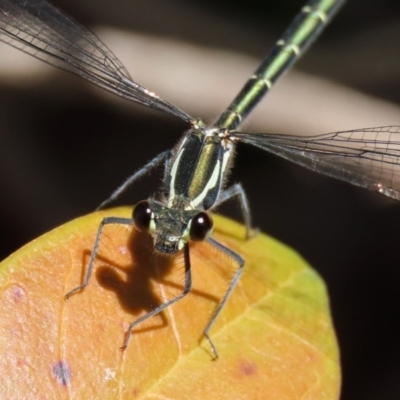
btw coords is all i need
(65, 147)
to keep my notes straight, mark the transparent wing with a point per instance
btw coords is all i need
(39, 29)
(369, 157)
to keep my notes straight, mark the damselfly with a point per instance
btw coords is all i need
(196, 169)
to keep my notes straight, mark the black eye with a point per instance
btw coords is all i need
(142, 216)
(200, 227)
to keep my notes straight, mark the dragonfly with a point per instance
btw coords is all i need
(196, 169)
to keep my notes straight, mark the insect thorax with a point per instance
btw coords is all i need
(196, 175)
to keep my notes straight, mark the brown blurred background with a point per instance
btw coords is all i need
(65, 146)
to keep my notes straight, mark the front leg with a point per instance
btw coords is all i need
(105, 221)
(161, 307)
(240, 262)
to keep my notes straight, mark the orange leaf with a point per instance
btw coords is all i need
(274, 337)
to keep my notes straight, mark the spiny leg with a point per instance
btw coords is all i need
(186, 290)
(239, 260)
(138, 174)
(237, 191)
(105, 221)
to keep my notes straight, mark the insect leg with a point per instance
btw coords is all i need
(239, 260)
(138, 174)
(237, 191)
(105, 221)
(161, 307)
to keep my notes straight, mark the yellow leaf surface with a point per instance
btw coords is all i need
(274, 337)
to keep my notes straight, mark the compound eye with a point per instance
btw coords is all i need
(200, 227)
(142, 216)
